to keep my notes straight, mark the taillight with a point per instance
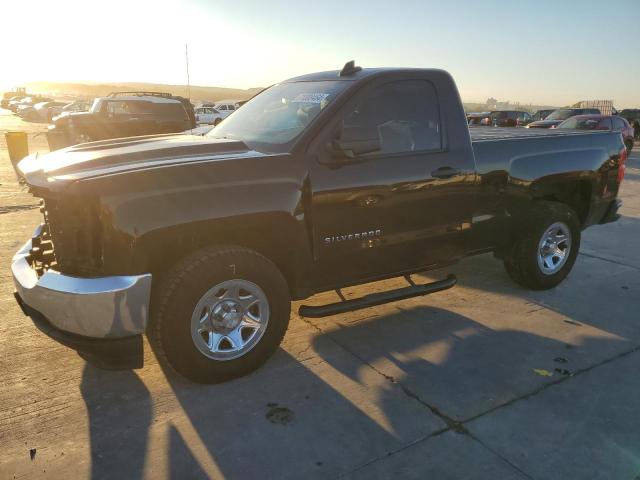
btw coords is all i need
(622, 164)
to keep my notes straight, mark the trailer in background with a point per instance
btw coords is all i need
(605, 106)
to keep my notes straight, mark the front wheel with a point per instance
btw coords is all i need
(544, 253)
(219, 314)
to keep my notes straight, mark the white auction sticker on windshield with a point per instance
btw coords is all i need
(310, 98)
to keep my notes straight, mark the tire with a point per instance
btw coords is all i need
(216, 122)
(176, 304)
(629, 147)
(537, 265)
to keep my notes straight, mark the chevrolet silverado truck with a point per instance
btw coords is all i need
(320, 182)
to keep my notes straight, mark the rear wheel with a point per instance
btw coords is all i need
(219, 314)
(544, 253)
(216, 122)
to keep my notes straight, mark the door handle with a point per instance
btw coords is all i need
(445, 172)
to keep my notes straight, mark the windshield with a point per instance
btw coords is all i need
(97, 105)
(280, 114)
(561, 114)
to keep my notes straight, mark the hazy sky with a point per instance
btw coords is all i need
(540, 51)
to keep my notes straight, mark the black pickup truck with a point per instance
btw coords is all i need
(319, 182)
(123, 114)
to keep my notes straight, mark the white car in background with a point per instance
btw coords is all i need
(210, 115)
(45, 111)
(225, 108)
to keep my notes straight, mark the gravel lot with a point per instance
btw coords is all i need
(483, 381)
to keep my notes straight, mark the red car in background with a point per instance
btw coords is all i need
(602, 122)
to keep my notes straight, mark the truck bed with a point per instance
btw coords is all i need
(527, 154)
(481, 133)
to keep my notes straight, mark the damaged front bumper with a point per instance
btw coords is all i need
(87, 308)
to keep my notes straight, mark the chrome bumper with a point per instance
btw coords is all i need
(105, 307)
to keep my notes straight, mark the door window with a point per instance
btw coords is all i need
(403, 115)
(618, 124)
(117, 108)
(605, 124)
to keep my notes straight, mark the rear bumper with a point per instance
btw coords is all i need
(97, 308)
(611, 215)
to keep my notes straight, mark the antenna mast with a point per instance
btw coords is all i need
(186, 56)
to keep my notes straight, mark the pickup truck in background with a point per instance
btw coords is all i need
(319, 182)
(123, 114)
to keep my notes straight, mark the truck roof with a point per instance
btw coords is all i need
(358, 75)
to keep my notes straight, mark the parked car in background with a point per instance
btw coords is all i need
(632, 115)
(45, 111)
(558, 116)
(500, 118)
(475, 118)
(541, 115)
(73, 107)
(14, 101)
(509, 118)
(209, 115)
(29, 101)
(24, 110)
(602, 122)
(125, 114)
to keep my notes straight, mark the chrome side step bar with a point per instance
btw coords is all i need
(414, 290)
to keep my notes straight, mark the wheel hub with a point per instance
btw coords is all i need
(229, 319)
(226, 316)
(554, 248)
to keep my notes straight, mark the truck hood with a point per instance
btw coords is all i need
(96, 159)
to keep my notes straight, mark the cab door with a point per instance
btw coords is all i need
(388, 194)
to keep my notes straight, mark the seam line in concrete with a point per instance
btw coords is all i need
(590, 255)
(554, 383)
(453, 425)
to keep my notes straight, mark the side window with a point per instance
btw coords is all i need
(605, 124)
(231, 107)
(618, 124)
(403, 115)
(117, 108)
(222, 107)
(141, 107)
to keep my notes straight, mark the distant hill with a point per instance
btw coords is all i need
(91, 90)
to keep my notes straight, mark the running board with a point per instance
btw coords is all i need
(414, 290)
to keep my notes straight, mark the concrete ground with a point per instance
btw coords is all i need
(483, 381)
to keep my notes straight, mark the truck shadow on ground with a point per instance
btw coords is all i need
(365, 391)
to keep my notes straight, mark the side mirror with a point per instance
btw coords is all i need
(353, 148)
